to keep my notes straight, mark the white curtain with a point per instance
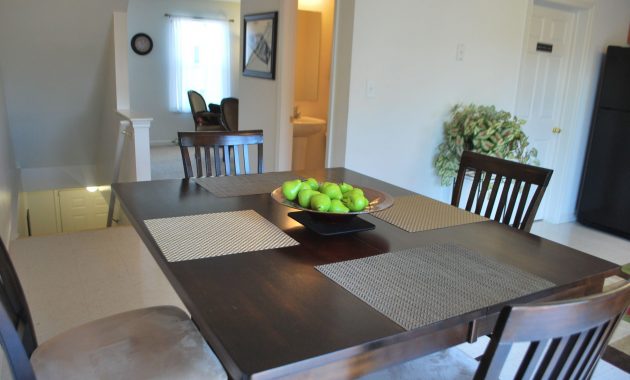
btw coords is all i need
(199, 60)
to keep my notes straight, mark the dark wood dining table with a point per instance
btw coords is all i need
(270, 313)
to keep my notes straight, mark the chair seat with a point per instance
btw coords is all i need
(449, 364)
(152, 343)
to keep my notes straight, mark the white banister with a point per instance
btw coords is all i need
(140, 146)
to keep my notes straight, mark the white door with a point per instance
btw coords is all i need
(543, 80)
(82, 210)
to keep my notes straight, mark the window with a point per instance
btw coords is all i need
(200, 60)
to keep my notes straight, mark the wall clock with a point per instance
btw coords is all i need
(141, 44)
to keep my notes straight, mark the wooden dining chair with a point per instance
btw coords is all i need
(508, 182)
(563, 340)
(220, 153)
(229, 114)
(154, 342)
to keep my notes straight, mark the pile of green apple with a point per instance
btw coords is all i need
(327, 197)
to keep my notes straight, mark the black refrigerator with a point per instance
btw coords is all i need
(604, 200)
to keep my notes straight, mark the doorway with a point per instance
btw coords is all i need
(313, 57)
(550, 64)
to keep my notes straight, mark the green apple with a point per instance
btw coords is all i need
(331, 189)
(320, 202)
(345, 187)
(312, 183)
(290, 189)
(355, 201)
(338, 207)
(304, 196)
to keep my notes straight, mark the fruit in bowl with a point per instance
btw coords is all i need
(337, 198)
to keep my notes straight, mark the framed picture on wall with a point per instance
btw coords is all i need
(259, 45)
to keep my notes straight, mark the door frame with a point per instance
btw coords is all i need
(565, 153)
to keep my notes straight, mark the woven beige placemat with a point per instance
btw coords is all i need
(208, 235)
(414, 213)
(424, 285)
(249, 184)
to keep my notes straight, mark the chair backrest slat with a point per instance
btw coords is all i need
(473, 190)
(493, 195)
(518, 218)
(534, 353)
(482, 193)
(226, 158)
(237, 162)
(507, 217)
(503, 200)
(13, 347)
(511, 176)
(246, 159)
(217, 161)
(14, 302)
(577, 342)
(198, 161)
(566, 338)
(207, 160)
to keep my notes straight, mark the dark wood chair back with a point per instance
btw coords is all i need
(224, 153)
(14, 351)
(17, 334)
(229, 114)
(514, 182)
(565, 338)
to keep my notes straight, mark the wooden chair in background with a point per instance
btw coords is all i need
(153, 342)
(224, 153)
(229, 114)
(514, 181)
(205, 119)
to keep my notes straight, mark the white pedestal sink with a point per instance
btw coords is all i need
(309, 142)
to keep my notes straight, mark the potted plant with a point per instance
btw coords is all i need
(481, 129)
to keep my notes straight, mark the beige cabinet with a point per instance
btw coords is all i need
(64, 210)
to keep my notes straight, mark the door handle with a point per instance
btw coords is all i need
(556, 130)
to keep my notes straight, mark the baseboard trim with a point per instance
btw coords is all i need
(163, 142)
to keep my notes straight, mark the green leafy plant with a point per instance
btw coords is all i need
(481, 129)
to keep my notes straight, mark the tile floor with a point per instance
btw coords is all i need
(74, 278)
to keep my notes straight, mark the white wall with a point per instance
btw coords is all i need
(267, 104)
(149, 75)
(340, 83)
(53, 53)
(407, 49)
(8, 176)
(410, 58)
(108, 134)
